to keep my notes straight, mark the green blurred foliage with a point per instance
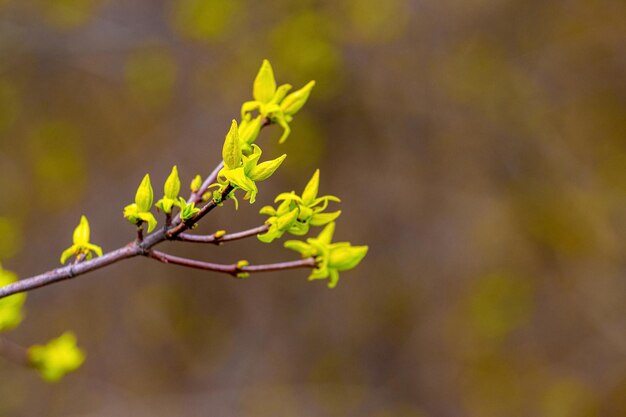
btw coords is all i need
(67, 14)
(151, 76)
(206, 20)
(57, 160)
(498, 304)
(10, 237)
(11, 313)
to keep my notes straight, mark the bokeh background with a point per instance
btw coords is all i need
(479, 147)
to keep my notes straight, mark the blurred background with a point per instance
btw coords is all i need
(479, 148)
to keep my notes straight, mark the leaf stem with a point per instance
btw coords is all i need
(231, 269)
(187, 237)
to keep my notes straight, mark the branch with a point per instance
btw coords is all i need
(186, 237)
(132, 249)
(231, 269)
(182, 226)
(141, 246)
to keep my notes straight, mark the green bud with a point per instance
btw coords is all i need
(346, 257)
(241, 264)
(187, 211)
(231, 152)
(144, 195)
(196, 183)
(265, 169)
(172, 184)
(310, 191)
(294, 101)
(59, 357)
(264, 83)
(81, 233)
(249, 130)
(81, 243)
(219, 234)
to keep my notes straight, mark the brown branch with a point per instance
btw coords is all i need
(141, 246)
(182, 226)
(217, 240)
(132, 249)
(231, 269)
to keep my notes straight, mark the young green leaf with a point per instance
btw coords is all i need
(81, 233)
(264, 83)
(144, 195)
(346, 257)
(310, 191)
(294, 101)
(172, 184)
(280, 94)
(81, 244)
(231, 152)
(265, 169)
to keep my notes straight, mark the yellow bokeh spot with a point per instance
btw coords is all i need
(151, 76)
(58, 163)
(499, 303)
(67, 14)
(380, 22)
(10, 105)
(10, 237)
(204, 20)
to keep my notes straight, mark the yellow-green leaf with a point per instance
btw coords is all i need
(264, 83)
(231, 152)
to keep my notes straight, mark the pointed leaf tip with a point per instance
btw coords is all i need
(145, 194)
(231, 152)
(264, 84)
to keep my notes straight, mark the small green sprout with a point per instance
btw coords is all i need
(81, 244)
(10, 307)
(331, 258)
(296, 213)
(240, 264)
(242, 171)
(170, 192)
(139, 211)
(273, 102)
(187, 211)
(196, 183)
(59, 357)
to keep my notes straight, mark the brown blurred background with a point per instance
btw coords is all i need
(479, 147)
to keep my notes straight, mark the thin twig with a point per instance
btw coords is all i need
(216, 239)
(231, 269)
(182, 226)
